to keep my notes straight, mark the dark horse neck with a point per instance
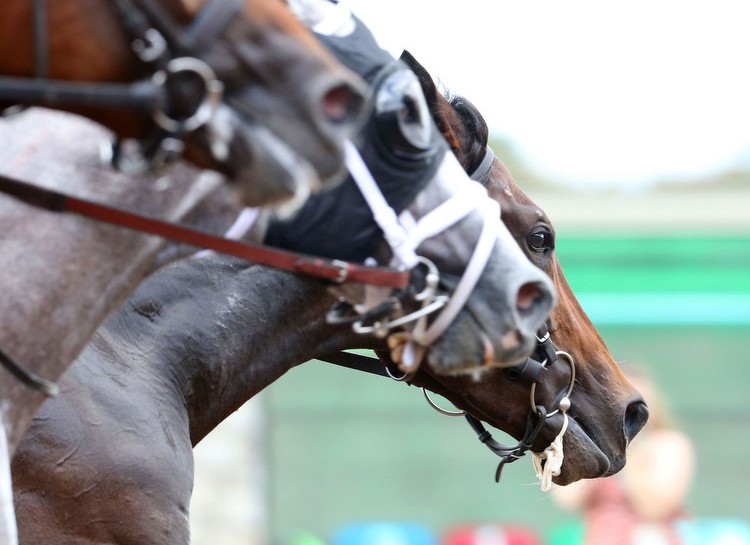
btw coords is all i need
(214, 332)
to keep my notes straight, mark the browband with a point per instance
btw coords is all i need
(480, 173)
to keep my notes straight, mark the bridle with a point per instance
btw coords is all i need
(548, 463)
(171, 57)
(403, 234)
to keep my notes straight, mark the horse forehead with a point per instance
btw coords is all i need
(517, 208)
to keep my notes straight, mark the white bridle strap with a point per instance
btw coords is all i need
(384, 215)
(447, 214)
(482, 251)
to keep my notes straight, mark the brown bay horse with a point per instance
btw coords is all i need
(241, 85)
(601, 452)
(109, 460)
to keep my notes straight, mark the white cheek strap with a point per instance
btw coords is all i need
(394, 233)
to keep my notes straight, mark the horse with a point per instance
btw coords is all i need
(242, 86)
(501, 269)
(601, 452)
(234, 60)
(199, 338)
(62, 275)
(244, 89)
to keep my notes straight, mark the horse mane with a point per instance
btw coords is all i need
(475, 134)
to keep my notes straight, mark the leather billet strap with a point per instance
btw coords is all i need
(209, 24)
(333, 270)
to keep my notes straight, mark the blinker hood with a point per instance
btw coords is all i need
(403, 150)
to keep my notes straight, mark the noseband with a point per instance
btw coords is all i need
(548, 463)
(170, 55)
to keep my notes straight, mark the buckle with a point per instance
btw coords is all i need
(343, 268)
(212, 93)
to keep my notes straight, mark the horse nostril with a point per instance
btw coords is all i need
(342, 104)
(636, 416)
(527, 296)
(533, 301)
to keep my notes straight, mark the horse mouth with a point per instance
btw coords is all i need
(583, 457)
(461, 354)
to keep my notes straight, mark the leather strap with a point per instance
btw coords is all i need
(357, 362)
(212, 20)
(481, 173)
(333, 270)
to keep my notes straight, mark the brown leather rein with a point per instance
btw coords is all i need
(332, 270)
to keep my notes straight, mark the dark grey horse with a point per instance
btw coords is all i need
(61, 278)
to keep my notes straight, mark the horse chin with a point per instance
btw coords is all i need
(462, 351)
(584, 458)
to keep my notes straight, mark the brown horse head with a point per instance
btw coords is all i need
(286, 104)
(606, 411)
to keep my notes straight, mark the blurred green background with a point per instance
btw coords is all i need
(664, 273)
(663, 270)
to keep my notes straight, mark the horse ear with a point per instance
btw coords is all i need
(425, 79)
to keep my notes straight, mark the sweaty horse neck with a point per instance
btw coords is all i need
(219, 331)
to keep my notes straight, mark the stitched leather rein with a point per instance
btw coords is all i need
(332, 270)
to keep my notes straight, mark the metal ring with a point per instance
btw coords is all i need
(408, 375)
(440, 409)
(432, 279)
(439, 302)
(569, 391)
(212, 95)
(151, 46)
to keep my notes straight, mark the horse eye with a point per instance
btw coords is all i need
(540, 240)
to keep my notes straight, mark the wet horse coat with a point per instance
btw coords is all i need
(62, 277)
(168, 367)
